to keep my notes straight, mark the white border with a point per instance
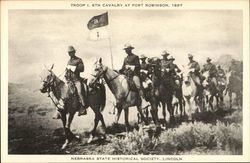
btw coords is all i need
(194, 5)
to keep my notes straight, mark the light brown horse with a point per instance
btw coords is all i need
(61, 91)
(119, 86)
(191, 94)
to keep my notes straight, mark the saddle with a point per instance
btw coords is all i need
(72, 88)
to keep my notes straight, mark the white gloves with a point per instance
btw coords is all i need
(72, 68)
(130, 67)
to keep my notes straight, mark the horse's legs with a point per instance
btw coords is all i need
(180, 106)
(170, 110)
(217, 101)
(154, 111)
(211, 99)
(188, 100)
(230, 99)
(164, 111)
(126, 119)
(96, 124)
(102, 121)
(119, 110)
(63, 118)
(184, 106)
(96, 121)
(68, 124)
(141, 114)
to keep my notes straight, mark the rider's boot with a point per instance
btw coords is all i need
(83, 106)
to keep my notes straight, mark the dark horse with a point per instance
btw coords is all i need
(180, 103)
(119, 86)
(62, 93)
(166, 95)
(163, 90)
(234, 85)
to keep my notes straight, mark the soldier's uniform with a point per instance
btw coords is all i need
(131, 68)
(76, 61)
(144, 73)
(131, 60)
(171, 69)
(194, 68)
(74, 77)
(221, 76)
(211, 68)
(164, 62)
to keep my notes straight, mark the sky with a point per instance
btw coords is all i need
(39, 38)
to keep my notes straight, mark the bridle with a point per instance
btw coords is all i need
(49, 84)
(101, 75)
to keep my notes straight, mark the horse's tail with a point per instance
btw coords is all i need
(103, 95)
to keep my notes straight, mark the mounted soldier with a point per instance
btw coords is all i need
(194, 69)
(164, 61)
(74, 67)
(172, 69)
(131, 68)
(221, 76)
(212, 71)
(144, 72)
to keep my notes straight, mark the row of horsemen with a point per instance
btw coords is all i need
(140, 70)
(148, 82)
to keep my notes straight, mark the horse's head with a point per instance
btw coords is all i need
(48, 80)
(98, 71)
(186, 75)
(207, 79)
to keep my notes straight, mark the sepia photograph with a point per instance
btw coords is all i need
(161, 80)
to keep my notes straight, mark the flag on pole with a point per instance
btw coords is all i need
(98, 21)
(98, 27)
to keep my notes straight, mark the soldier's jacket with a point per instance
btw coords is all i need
(194, 65)
(144, 66)
(76, 61)
(221, 73)
(164, 63)
(172, 68)
(132, 60)
(211, 68)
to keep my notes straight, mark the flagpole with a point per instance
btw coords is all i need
(111, 53)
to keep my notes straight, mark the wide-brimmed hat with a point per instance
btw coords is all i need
(128, 46)
(171, 58)
(165, 53)
(71, 49)
(190, 56)
(209, 59)
(143, 56)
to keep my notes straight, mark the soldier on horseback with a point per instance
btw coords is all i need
(194, 68)
(211, 68)
(131, 68)
(144, 72)
(75, 67)
(221, 76)
(164, 60)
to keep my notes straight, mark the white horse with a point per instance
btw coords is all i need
(190, 93)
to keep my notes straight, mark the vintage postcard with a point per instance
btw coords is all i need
(125, 81)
